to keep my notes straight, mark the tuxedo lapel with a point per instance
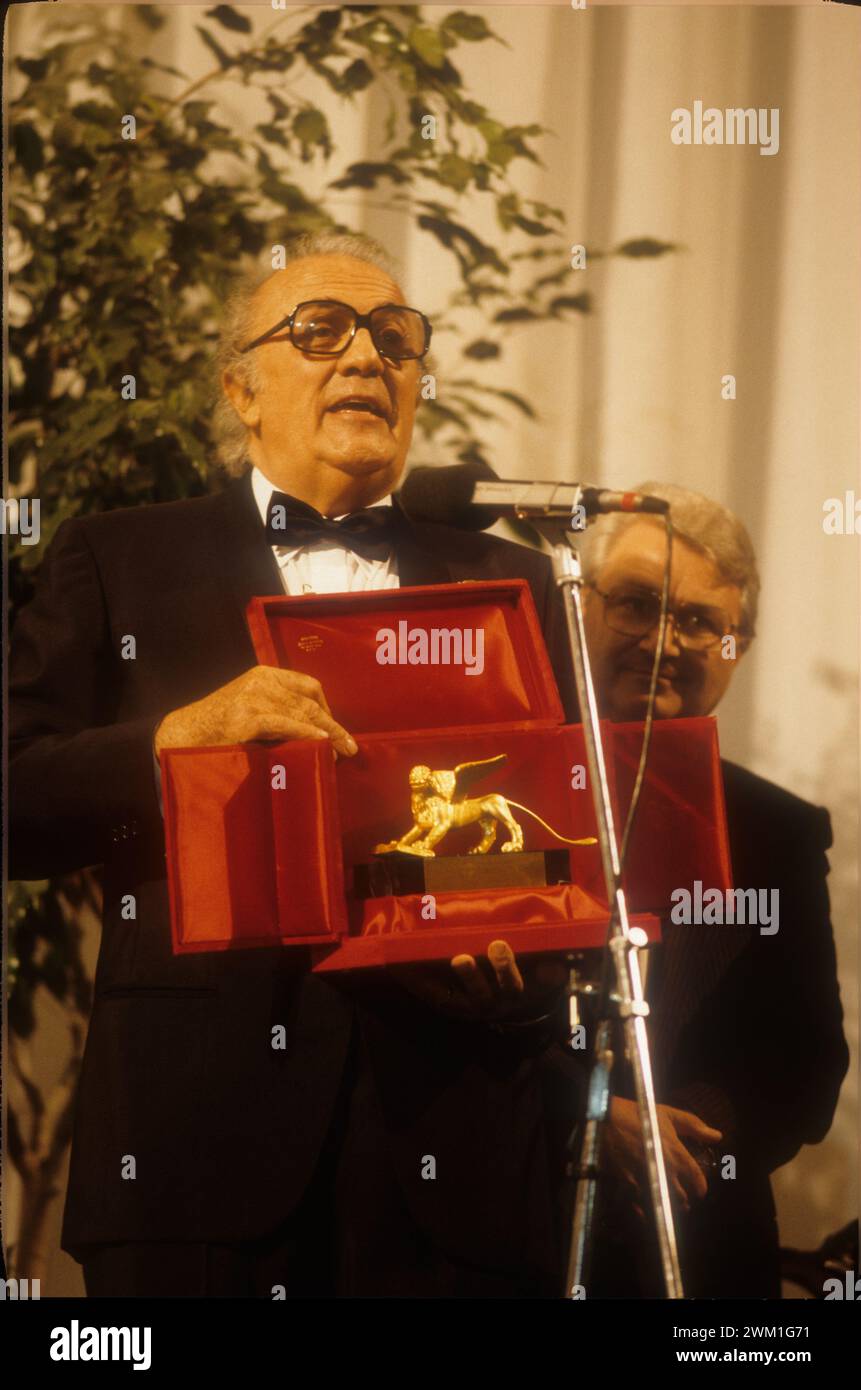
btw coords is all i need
(252, 566)
(234, 562)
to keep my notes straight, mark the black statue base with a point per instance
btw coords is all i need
(396, 873)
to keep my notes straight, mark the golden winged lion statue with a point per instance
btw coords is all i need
(439, 803)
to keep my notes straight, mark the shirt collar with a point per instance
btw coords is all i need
(263, 489)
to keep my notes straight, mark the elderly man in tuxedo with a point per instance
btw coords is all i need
(746, 1027)
(203, 1161)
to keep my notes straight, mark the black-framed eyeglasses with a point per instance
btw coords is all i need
(636, 612)
(326, 327)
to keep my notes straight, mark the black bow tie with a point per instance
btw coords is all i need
(369, 532)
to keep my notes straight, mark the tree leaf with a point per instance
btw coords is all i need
(518, 315)
(358, 76)
(533, 228)
(467, 26)
(224, 59)
(427, 44)
(34, 68)
(28, 147)
(289, 195)
(437, 414)
(147, 63)
(513, 398)
(195, 112)
(460, 239)
(455, 171)
(644, 246)
(96, 113)
(280, 109)
(470, 112)
(366, 174)
(275, 134)
(581, 302)
(482, 349)
(312, 129)
(226, 15)
(150, 15)
(479, 412)
(545, 210)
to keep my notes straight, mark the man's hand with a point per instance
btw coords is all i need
(493, 989)
(624, 1154)
(263, 703)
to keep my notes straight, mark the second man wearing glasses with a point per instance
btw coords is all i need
(746, 1036)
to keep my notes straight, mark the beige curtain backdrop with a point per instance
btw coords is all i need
(764, 285)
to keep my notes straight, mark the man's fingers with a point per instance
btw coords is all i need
(340, 738)
(475, 990)
(277, 723)
(695, 1186)
(475, 986)
(294, 729)
(692, 1125)
(263, 703)
(306, 694)
(314, 714)
(701, 1184)
(303, 684)
(504, 964)
(686, 1169)
(681, 1194)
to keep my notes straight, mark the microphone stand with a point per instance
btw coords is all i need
(621, 960)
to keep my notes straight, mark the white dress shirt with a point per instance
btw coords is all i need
(324, 566)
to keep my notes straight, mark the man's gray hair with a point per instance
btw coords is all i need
(229, 435)
(696, 519)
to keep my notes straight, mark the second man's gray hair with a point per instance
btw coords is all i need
(703, 522)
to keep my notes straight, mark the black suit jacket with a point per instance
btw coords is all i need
(178, 1070)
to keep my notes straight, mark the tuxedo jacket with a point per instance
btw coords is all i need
(178, 1071)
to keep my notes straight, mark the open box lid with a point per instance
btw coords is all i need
(425, 657)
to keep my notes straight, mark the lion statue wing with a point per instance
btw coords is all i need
(465, 774)
(443, 784)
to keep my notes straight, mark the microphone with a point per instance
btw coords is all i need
(599, 500)
(471, 496)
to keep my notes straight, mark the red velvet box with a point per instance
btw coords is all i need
(262, 839)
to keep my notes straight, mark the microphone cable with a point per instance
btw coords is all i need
(652, 697)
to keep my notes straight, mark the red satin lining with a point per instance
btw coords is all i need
(243, 868)
(335, 637)
(680, 831)
(308, 862)
(219, 846)
(559, 905)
